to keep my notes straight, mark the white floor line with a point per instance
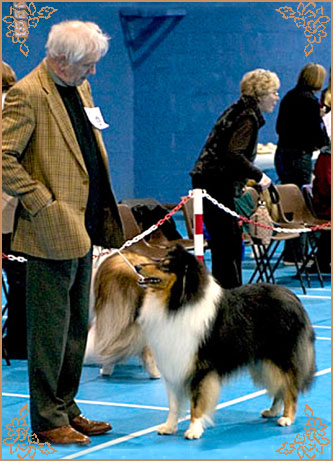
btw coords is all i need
(321, 326)
(154, 428)
(322, 337)
(314, 297)
(96, 402)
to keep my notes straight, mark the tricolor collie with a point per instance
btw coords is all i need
(115, 334)
(201, 334)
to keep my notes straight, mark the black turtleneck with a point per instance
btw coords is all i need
(92, 157)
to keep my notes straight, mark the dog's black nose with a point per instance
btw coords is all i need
(138, 268)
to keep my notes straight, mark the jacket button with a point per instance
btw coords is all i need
(83, 209)
(85, 182)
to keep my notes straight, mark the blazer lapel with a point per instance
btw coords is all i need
(60, 114)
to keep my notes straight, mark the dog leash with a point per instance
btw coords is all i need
(141, 277)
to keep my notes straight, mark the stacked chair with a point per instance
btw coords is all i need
(264, 253)
(158, 245)
(293, 213)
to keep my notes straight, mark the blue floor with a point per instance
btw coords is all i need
(136, 405)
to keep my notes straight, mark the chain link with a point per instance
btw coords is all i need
(169, 215)
(265, 226)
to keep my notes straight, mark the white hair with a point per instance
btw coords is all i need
(75, 40)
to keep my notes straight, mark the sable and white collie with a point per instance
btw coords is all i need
(200, 334)
(115, 334)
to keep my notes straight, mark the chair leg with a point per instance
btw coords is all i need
(258, 268)
(313, 245)
(267, 263)
(298, 269)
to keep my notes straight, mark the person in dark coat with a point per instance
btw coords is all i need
(225, 165)
(301, 131)
(300, 127)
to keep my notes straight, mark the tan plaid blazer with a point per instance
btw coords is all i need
(42, 161)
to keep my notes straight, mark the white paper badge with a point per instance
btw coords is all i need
(96, 118)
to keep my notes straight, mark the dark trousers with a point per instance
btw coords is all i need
(294, 166)
(225, 243)
(57, 327)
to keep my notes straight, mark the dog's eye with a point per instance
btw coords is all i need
(165, 264)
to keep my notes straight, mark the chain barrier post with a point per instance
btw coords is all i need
(198, 224)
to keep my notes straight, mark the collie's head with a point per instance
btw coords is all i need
(178, 279)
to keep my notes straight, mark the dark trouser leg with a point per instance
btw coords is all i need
(324, 250)
(294, 167)
(57, 324)
(225, 244)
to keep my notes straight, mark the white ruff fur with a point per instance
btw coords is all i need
(175, 337)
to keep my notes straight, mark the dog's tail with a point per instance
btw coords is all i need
(117, 300)
(305, 358)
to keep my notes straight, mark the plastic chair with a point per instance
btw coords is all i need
(264, 253)
(131, 229)
(296, 213)
(308, 197)
(160, 244)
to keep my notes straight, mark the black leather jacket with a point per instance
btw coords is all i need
(225, 163)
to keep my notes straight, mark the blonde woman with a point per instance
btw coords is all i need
(225, 165)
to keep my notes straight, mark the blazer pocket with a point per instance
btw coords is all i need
(57, 227)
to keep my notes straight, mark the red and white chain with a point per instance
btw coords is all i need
(154, 227)
(265, 226)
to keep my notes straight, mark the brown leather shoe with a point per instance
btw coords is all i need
(63, 435)
(89, 427)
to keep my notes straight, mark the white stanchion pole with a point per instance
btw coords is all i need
(198, 224)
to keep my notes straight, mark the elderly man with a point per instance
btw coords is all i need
(55, 163)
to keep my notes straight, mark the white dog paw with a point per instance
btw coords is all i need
(193, 433)
(269, 413)
(107, 370)
(154, 374)
(151, 368)
(284, 421)
(195, 430)
(166, 429)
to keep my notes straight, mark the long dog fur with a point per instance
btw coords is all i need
(115, 334)
(201, 334)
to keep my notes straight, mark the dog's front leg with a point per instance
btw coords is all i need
(170, 425)
(204, 396)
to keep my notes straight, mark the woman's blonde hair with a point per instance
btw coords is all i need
(8, 77)
(259, 82)
(327, 93)
(312, 75)
(75, 40)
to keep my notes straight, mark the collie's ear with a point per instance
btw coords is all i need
(182, 298)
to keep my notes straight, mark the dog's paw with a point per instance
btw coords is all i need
(284, 421)
(195, 430)
(269, 413)
(154, 374)
(106, 370)
(150, 365)
(166, 429)
(193, 433)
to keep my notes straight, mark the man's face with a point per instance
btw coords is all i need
(75, 74)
